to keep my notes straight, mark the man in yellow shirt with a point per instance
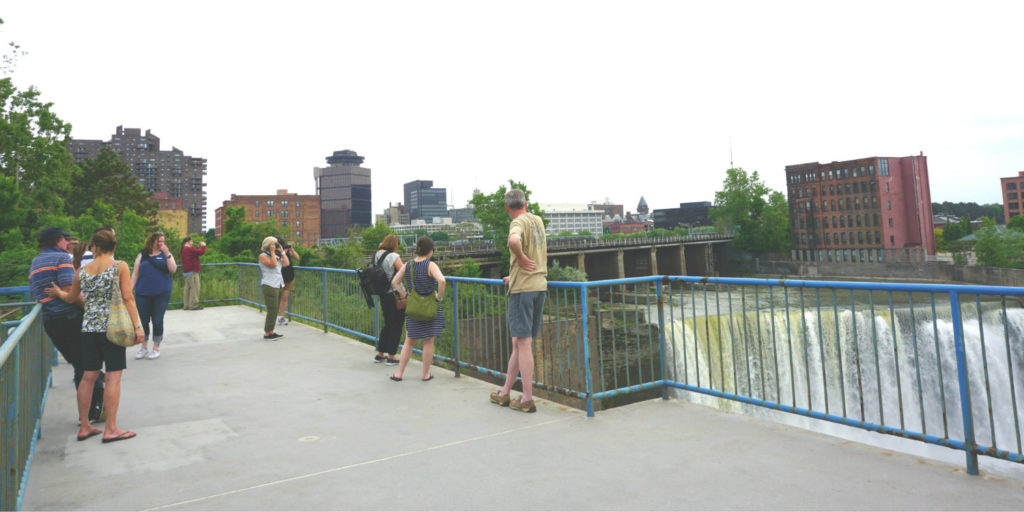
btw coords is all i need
(527, 286)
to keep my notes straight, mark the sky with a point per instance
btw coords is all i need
(580, 100)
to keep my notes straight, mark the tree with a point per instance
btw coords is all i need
(440, 236)
(467, 268)
(955, 231)
(757, 214)
(108, 178)
(35, 167)
(1016, 223)
(373, 236)
(994, 248)
(489, 211)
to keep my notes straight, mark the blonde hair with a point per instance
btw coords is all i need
(268, 243)
(390, 244)
(150, 244)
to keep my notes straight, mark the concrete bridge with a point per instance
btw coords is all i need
(613, 259)
(228, 421)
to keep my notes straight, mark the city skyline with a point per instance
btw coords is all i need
(602, 100)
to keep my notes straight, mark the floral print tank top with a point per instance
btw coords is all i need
(97, 289)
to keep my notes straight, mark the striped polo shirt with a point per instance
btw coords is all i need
(52, 266)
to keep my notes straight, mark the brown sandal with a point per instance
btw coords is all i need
(500, 400)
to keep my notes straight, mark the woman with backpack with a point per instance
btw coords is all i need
(388, 259)
(151, 280)
(424, 278)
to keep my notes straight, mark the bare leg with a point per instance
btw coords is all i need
(513, 369)
(404, 359)
(284, 302)
(111, 399)
(525, 352)
(85, 402)
(428, 356)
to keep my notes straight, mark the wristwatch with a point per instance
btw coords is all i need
(137, 327)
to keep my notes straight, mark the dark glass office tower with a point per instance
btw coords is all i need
(345, 194)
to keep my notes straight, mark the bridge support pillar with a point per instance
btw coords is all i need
(709, 260)
(581, 262)
(654, 261)
(620, 260)
(682, 260)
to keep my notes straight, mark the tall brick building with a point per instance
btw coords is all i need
(867, 210)
(1013, 196)
(172, 172)
(299, 215)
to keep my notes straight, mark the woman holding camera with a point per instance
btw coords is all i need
(272, 259)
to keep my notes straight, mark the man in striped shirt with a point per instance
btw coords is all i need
(61, 321)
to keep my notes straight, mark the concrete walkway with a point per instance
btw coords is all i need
(228, 421)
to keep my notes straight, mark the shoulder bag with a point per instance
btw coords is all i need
(120, 330)
(419, 307)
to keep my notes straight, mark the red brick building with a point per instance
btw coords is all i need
(1013, 188)
(299, 215)
(867, 210)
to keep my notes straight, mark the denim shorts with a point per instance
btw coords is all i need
(525, 313)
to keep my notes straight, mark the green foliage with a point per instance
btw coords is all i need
(467, 268)
(565, 232)
(560, 273)
(940, 242)
(680, 231)
(420, 233)
(109, 179)
(440, 236)
(994, 248)
(1016, 223)
(348, 255)
(584, 232)
(968, 210)
(955, 231)
(959, 258)
(373, 236)
(757, 214)
(489, 211)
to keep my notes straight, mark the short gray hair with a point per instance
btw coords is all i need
(515, 199)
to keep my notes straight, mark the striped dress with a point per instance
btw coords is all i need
(424, 285)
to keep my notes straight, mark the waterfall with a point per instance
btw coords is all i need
(881, 364)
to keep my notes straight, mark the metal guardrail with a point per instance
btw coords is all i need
(25, 368)
(940, 364)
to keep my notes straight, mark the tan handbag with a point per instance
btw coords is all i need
(400, 301)
(120, 330)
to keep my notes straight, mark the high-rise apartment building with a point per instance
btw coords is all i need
(1013, 196)
(573, 218)
(298, 215)
(423, 201)
(345, 194)
(867, 210)
(173, 172)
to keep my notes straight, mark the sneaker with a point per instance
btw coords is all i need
(500, 400)
(273, 336)
(154, 354)
(280, 321)
(390, 362)
(141, 353)
(379, 359)
(522, 406)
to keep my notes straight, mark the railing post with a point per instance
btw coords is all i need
(239, 267)
(455, 327)
(661, 340)
(323, 282)
(586, 351)
(970, 446)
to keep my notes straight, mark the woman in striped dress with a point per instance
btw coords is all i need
(423, 276)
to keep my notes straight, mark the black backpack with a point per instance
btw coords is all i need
(373, 279)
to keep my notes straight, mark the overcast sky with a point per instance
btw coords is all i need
(582, 101)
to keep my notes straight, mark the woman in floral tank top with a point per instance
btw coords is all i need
(97, 282)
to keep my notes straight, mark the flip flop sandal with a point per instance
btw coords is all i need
(396, 379)
(122, 437)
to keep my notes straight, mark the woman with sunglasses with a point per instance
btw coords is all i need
(151, 280)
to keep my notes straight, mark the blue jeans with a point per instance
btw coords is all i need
(153, 307)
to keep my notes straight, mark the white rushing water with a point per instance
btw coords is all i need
(885, 366)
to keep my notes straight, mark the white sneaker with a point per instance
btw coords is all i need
(280, 321)
(154, 354)
(141, 353)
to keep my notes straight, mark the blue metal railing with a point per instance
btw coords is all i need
(941, 364)
(25, 366)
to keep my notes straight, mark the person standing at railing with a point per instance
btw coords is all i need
(96, 282)
(527, 287)
(61, 321)
(288, 275)
(424, 278)
(271, 283)
(391, 334)
(191, 267)
(151, 280)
